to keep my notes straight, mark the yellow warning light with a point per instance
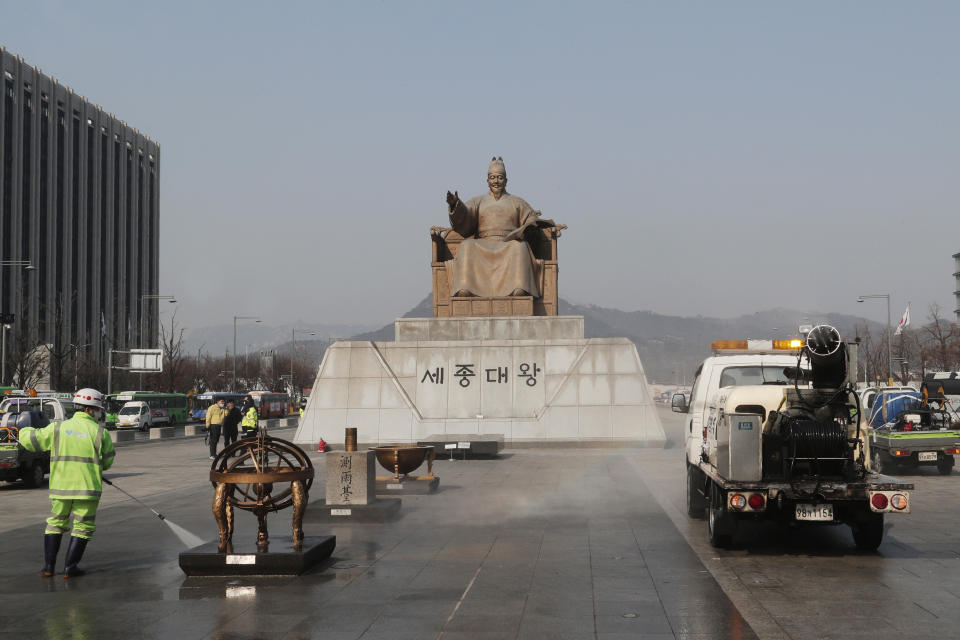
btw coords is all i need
(791, 344)
(720, 345)
(794, 343)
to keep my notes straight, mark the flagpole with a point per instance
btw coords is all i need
(901, 330)
(889, 351)
(903, 362)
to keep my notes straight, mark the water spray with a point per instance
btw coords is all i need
(186, 537)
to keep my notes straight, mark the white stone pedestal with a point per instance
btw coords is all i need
(491, 378)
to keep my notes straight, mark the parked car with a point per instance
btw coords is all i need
(139, 415)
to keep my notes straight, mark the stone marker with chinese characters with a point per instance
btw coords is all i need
(351, 478)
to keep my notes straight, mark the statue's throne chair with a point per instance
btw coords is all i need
(543, 241)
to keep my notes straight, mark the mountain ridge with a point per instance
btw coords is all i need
(671, 347)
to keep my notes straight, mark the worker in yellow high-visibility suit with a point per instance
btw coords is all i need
(80, 451)
(251, 419)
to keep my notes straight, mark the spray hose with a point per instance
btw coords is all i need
(155, 512)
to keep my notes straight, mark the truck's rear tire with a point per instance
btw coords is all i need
(868, 533)
(33, 475)
(945, 465)
(720, 524)
(696, 502)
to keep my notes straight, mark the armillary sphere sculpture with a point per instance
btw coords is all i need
(244, 476)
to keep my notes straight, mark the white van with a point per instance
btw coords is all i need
(138, 415)
(55, 409)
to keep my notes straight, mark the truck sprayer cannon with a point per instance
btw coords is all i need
(816, 431)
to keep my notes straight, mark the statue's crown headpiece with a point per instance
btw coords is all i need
(496, 164)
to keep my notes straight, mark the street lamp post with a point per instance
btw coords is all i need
(233, 384)
(889, 350)
(149, 296)
(293, 351)
(172, 300)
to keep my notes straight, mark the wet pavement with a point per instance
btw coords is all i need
(811, 582)
(540, 543)
(536, 544)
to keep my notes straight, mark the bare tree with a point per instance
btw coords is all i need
(89, 371)
(27, 362)
(198, 381)
(910, 354)
(59, 350)
(942, 338)
(872, 354)
(174, 361)
(211, 373)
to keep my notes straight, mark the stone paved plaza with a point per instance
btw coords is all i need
(540, 543)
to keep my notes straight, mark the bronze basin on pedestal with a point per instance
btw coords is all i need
(401, 459)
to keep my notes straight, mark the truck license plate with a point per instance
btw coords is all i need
(818, 512)
(927, 456)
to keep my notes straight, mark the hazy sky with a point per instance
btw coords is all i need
(709, 158)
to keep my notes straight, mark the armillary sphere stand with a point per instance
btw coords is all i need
(244, 475)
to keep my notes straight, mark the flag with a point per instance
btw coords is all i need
(103, 325)
(904, 321)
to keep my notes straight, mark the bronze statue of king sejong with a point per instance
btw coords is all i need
(494, 260)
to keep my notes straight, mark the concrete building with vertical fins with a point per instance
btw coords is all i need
(79, 200)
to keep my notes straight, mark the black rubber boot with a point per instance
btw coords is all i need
(74, 553)
(51, 547)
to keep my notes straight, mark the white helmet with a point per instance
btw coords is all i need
(89, 398)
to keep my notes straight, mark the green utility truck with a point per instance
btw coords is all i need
(908, 432)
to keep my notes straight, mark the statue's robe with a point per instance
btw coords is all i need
(488, 264)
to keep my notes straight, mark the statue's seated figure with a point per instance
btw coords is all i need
(497, 258)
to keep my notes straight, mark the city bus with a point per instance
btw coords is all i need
(270, 404)
(175, 404)
(200, 402)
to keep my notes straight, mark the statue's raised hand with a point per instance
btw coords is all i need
(452, 200)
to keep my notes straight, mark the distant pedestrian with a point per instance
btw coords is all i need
(80, 451)
(230, 423)
(251, 418)
(215, 415)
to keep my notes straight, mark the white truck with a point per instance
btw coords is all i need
(773, 433)
(139, 415)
